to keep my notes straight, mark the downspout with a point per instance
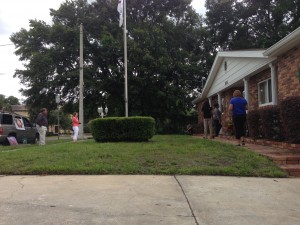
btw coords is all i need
(274, 84)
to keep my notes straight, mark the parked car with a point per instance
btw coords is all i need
(14, 125)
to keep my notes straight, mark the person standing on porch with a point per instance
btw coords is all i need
(217, 119)
(238, 106)
(206, 112)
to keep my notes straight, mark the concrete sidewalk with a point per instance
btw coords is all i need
(148, 200)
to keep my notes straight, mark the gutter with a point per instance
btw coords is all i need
(284, 44)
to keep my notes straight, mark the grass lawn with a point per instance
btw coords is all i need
(164, 154)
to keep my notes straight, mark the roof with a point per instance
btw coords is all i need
(285, 44)
(18, 108)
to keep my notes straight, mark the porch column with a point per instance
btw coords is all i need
(209, 99)
(220, 102)
(274, 83)
(246, 89)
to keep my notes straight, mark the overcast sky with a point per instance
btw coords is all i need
(15, 15)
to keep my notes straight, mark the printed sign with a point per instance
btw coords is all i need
(12, 140)
(19, 124)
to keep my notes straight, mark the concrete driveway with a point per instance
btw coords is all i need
(148, 200)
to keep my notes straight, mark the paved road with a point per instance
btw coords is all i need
(148, 200)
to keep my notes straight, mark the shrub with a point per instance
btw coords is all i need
(198, 128)
(253, 120)
(289, 111)
(49, 133)
(271, 125)
(123, 129)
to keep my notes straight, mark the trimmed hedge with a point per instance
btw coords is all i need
(290, 115)
(265, 123)
(117, 129)
(253, 118)
(271, 125)
(277, 123)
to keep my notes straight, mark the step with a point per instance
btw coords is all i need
(292, 170)
(285, 159)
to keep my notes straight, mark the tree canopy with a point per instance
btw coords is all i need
(7, 102)
(65, 121)
(236, 24)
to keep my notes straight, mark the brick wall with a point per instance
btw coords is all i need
(287, 72)
(227, 95)
(253, 88)
(288, 81)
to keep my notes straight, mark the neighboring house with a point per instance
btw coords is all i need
(265, 77)
(20, 109)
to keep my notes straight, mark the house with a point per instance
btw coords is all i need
(265, 77)
(20, 109)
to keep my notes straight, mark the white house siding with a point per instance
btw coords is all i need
(237, 69)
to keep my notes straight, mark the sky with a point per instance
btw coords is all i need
(15, 15)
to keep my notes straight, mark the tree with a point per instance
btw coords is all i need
(234, 24)
(12, 100)
(221, 21)
(166, 58)
(65, 121)
(2, 101)
(6, 103)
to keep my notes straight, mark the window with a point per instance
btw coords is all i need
(7, 119)
(26, 122)
(265, 92)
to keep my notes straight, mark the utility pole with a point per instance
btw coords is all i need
(81, 116)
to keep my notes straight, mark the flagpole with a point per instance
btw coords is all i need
(81, 117)
(125, 59)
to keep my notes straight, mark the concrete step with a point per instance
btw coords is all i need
(292, 170)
